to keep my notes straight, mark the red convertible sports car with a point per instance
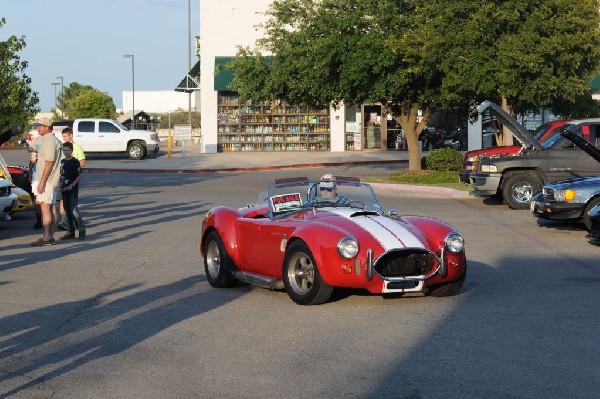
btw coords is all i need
(310, 236)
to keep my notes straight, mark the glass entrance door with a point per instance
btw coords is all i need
(372, 126)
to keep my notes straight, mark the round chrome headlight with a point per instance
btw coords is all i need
(454, 242)
(347, 247)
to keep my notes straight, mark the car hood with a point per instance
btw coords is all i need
(500, 150)
(139, 131)
(586, 146)
(511, 123)
(5, 183)
(576, 183)
(389, 233)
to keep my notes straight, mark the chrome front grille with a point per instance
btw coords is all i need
(406, 263)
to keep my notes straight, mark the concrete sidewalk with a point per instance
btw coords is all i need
(191, 160)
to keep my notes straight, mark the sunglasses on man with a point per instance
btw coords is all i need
(330, 189)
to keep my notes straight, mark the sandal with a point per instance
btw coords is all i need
(43, 243)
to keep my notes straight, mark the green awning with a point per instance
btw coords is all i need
(225, 76)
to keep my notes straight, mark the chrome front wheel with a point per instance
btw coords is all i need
(301, 276)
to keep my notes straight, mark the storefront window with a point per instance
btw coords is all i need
(272, 126)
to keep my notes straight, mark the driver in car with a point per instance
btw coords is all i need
(328, 190)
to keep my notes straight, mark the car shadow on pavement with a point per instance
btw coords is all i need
(105, 227)
(40, 345)
(568, 225)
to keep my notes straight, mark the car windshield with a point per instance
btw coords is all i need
(293, 196)
(550, 140)
(541, 130)
(121, 125)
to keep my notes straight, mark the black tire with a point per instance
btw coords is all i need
(518, 190)
(586, 217)
(136, 150)
(447, 289)
(217, 263)
(301, 277)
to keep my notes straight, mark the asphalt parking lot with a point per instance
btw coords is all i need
(128, 311)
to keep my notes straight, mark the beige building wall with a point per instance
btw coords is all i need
(225, 25)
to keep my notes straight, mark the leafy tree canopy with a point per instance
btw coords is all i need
(18, 102)
(90, 103)
(68, 100)
(529, 53)
(332, 51)
(412, 55)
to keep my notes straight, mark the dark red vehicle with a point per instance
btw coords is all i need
(471, 157)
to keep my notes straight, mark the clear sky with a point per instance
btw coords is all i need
(84, 41)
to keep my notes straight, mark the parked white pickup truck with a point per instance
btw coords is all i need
(108, 136)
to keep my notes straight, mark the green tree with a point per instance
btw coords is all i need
(66, 99)
(18, 102)
(523, 54)
(583, 106)
(333, 51)
(91, 103)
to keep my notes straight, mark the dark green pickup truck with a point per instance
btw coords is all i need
(517, 178)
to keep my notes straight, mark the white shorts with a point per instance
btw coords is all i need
(48, 196)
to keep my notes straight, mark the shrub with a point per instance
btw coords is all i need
(444, 159)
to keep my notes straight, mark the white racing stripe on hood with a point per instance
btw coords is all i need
(388, 232)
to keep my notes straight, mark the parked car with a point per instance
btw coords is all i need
(594, 236)
(57, 127)
(7, 198)
(24, 201)
(18, 175)
(470, 158)
(298, 240)
(107, 136)
(517, 178)
(571, 199)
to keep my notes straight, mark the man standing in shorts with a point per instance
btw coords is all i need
(47, 175)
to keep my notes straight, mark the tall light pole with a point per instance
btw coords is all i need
(190, 61)
(132, 89)
(62, 95)
(55, 98)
